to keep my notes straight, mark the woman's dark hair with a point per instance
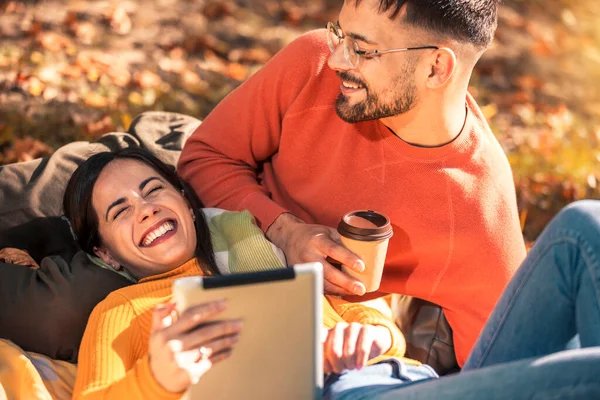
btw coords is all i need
(77, 201)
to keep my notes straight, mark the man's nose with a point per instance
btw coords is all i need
(337, 60)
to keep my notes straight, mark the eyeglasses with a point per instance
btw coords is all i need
(353, 53)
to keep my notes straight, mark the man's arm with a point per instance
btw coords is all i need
(222, 157)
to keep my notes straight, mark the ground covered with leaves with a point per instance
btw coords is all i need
(74, 70)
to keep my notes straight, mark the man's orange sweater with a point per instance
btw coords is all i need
(275, 144)
(113, 357)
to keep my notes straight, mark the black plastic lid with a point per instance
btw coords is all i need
(381, 232)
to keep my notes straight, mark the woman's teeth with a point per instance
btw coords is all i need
(158, 232)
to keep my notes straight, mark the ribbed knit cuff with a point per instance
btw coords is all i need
(263, 208)
(149, 386)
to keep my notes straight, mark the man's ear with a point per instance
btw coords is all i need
(443, 66)
(107, 258)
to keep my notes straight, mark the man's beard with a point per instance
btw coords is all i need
(371, 108)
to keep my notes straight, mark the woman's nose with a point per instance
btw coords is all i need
(147, 210)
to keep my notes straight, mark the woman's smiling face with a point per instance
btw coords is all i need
(145, 224)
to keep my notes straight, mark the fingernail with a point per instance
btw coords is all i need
(359, 266)
(175, 345)
(168, 320)
(358, 289)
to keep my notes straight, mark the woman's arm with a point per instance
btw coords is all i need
(361, 314)
(112, 361)
(121, 357)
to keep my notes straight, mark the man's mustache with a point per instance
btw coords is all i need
(345, 76)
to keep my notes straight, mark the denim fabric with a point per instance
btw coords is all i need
(552, 302)
(378, 377)
(554, 295)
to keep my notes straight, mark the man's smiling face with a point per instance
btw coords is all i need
(381, 86)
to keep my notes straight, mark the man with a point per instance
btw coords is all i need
(374, 114)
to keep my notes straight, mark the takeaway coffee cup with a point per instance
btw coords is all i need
(366, 234)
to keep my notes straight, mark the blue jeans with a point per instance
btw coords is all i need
(553, 299)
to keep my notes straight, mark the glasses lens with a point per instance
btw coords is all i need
(332, 37)
(350, 48)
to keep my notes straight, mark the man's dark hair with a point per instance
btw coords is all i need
(472, 21)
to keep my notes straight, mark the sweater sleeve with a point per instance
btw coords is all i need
(108, 366)
(360, 313)
(221, 158)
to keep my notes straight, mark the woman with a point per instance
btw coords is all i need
(132, 211)
(551, 304)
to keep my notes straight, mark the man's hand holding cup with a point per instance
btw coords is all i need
(302, 242)
(361, 238)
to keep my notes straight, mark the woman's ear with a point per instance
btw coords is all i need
(188, 204)
(107, 258)
(442, 68)
(182, 191)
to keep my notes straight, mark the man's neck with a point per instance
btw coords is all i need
(429, 126)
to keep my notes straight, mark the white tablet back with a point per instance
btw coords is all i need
(279, 354)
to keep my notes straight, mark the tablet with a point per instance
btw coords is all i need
(279, 353)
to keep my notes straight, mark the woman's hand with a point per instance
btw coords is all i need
(182, 350)
(350, 346)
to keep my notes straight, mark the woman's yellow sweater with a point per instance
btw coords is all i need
(113, 357)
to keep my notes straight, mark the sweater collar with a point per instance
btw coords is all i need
(464, 143)
(189, 268)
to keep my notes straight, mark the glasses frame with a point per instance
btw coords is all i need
(348, 41)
